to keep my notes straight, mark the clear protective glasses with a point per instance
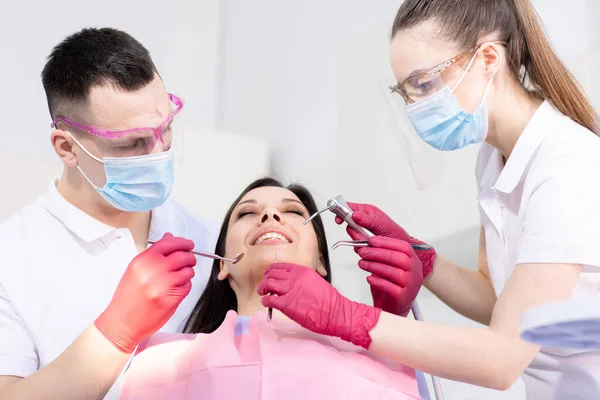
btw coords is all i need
(131, 142)
(424, 83)
(430, 167)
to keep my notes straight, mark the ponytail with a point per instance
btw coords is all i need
(531, 59)
(545, 72)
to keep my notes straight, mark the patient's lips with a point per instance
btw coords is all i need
(271, 238)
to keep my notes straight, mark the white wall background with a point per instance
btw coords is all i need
(296, 77)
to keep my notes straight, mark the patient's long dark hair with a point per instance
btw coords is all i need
(218, 297)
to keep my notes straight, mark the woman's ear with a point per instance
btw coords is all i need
(321, 267)
(224, 271)
(491, 57)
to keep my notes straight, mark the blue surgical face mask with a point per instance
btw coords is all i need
(441, 122)
(135, 184)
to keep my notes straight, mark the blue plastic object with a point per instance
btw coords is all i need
(568, 324)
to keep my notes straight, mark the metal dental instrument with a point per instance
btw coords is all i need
(339, 207)
(270, 310)
(365, 243)
(234, 260)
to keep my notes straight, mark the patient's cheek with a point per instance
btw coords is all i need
(234, 244)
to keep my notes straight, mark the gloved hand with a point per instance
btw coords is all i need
(396, 273)
(396, 277)
(151, 289)
(375, 220)
(308, 299)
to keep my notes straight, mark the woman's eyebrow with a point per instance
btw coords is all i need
(292, 201)
(285, 200)
(253, 201)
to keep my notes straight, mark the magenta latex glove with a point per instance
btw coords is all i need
(396, 273)
(378, 222)
(151, 289)
(308, 299)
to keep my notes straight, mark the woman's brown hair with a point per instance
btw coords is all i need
(218, 297)
(530, 56)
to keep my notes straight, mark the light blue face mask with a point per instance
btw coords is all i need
(441, 122)
(135, 184)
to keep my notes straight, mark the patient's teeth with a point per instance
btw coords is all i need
(272, 235)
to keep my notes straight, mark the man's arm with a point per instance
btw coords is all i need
(151, 289)
(85, 370)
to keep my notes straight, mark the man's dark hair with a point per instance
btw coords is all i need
(94, 57)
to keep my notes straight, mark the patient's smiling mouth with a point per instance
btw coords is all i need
(271, 236)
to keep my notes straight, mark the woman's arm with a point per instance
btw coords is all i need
(494, 356)
(469, 293)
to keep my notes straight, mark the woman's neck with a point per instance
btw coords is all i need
(249, 303)
(509, 113)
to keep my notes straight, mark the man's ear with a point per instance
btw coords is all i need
(63, 146)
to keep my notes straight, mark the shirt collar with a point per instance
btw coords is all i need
(166, 218)
(81, 224)
(89, 229)
(529, 141)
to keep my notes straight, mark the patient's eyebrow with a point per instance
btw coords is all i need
(253, 201)
(291, 201)
(285, 200)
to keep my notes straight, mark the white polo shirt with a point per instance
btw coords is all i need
(59, 268)
(543, 206)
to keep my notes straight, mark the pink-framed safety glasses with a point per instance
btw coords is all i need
(129, 142)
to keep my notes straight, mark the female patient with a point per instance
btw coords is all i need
(232, 351)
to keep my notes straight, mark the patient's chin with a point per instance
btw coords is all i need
(261, 260)
(261, 257)
(267, 256)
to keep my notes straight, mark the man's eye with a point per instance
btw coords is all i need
(132, 146)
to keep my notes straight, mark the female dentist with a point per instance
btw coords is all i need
(474, 71)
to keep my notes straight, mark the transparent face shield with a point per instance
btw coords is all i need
(136, 142)
(428, 164)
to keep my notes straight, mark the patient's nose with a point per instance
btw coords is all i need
(270, 213)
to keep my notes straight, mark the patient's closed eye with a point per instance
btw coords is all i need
(244, 212)
(296, 211)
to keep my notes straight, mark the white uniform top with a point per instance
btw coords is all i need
(543, 206)
(59, 268)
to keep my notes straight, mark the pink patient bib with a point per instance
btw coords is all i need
(271, 361)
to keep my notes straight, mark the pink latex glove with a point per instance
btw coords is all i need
(305, 297)
(378, 222)
(395, 281)
(396, 274)
(151, 289)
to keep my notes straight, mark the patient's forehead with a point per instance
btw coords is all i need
(269, 195)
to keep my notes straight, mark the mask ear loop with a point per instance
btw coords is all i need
(466, 70)
(84, 149)
(487, 89)
(89, 154)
